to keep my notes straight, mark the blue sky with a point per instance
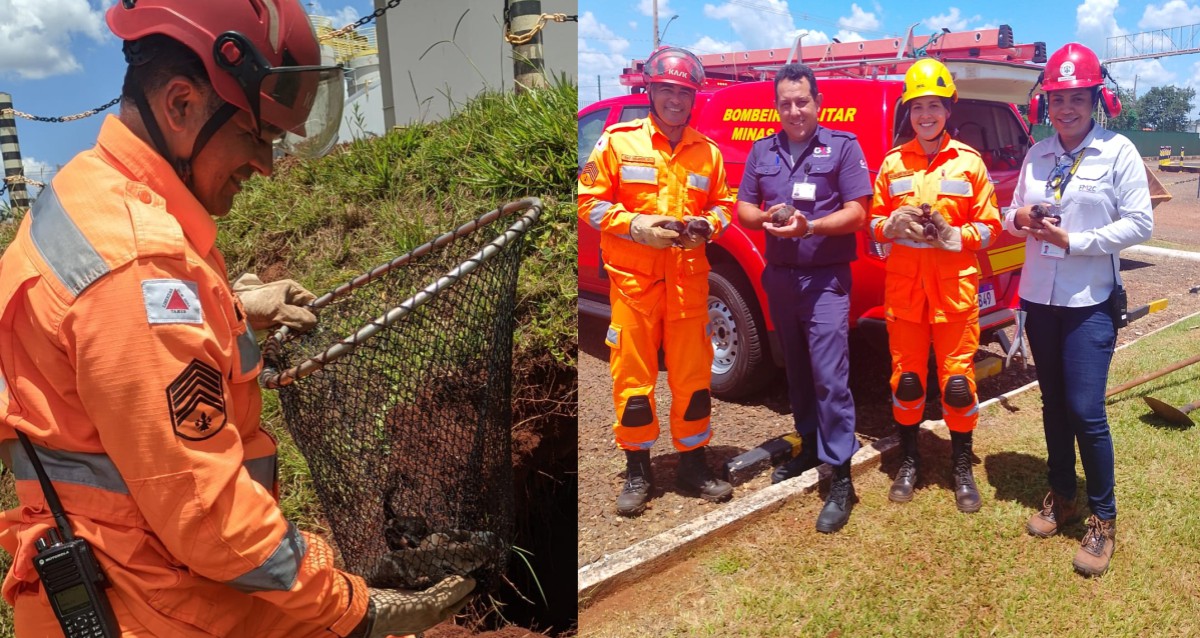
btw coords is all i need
(611, 33)
(57, 57)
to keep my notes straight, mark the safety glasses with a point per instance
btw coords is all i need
(304, 101)
(1062, 167)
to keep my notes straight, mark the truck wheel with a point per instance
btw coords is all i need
(740, 359)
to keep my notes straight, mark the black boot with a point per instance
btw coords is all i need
(693, 477)
(839, 502)
(906, 477)
(801, 463)
(966, 496)
(638, 481)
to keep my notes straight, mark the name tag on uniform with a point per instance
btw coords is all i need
(1052, 251)
(804, 191)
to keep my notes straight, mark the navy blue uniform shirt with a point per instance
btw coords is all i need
(832, 161)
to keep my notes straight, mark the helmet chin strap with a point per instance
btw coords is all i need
(183, 167)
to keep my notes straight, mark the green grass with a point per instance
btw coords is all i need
(1158, 243)
(324, 221)
(924, 569)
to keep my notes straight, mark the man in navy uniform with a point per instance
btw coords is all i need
(814, 182)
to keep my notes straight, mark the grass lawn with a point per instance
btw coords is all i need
(924, 569)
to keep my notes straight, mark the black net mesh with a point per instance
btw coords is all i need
(407, 436)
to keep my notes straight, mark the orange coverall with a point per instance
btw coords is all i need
(128, 362)
(929, 293)
(659, 297)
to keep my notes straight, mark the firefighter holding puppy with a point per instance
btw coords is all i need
(934, 205)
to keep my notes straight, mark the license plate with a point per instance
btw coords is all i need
(986, 297)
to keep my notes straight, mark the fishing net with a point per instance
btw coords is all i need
(400, 401)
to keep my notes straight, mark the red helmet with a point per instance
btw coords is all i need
(261, 56)
(673, 65)
(1074, 66)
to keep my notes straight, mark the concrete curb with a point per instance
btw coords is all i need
(1155, 251)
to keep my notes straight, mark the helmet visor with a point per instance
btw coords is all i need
(306, 103)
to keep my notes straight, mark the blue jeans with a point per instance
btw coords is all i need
(810, 308)
(1073, 348)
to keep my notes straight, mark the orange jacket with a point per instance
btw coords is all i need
(926, 283)
(633, 170)
(128, 362)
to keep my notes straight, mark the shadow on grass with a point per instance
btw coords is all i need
(1019, 477)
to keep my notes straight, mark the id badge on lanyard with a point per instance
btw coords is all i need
(1063, 176)
(804, 191)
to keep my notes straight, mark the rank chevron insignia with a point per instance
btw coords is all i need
(197, 402)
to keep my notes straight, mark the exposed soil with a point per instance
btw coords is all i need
(744, 424)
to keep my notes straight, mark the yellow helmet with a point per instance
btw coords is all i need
(927, 76)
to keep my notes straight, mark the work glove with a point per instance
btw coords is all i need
(904, 223)
(401, 612)
(696, 232)
(948, 237)
(276, 303)
(648, 230)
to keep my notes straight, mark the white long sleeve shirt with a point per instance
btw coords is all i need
(1105, 208)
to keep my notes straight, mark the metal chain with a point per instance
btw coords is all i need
(21, 179)
(65, 118)
(361, 21)
(541, 24)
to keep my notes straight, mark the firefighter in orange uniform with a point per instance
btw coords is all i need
(131, 365)
(643, 176)
(932, 273)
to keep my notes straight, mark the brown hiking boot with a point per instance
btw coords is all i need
(1057, 512)
(1096, 548)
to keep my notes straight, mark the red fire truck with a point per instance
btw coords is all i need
(861, 85)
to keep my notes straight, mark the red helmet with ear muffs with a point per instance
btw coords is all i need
(1073, 66)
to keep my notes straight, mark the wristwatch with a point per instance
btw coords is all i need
(809, 232)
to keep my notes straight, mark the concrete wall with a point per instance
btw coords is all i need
(1147, 142)
(424, 84)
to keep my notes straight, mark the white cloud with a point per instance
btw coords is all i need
(709, 45)
(35, 35)
(601, 53)
(348, 15)
(646, 7)
(1171, 14)
(1149, 73)
(953, 20)
(770, 27)
(848, 36)
(858, 20)
(633, 25)
(1094, 23)
(37, 170)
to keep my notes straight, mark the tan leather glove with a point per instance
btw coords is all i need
(648, 230)
(904, 223)
(948, 237)
(277, 303)
(401, 612)
(698, 231)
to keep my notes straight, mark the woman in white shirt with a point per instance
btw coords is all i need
(1081, 197)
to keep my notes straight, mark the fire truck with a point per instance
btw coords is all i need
(861, 84)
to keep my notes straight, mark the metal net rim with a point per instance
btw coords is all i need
(273, 379)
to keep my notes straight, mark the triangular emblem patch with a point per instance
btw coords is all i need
(175, 302)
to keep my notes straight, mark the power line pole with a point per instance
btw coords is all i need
(654, 3)
(11, 152)
(598, 96)
(529, 65)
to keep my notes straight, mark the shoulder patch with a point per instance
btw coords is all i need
(196, 401)
(172, 301)
(587, 176)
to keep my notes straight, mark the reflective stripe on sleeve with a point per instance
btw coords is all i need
(720, 213)
(62, 245)
(697, 181)
(262, 470)
(985, 234)
(279, 572)
(597, 214)
(248, 350)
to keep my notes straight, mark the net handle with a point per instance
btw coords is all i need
(273, 379)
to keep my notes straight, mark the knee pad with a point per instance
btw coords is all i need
(699, 407)
(958, 392)
(909, 388)
(637, 412)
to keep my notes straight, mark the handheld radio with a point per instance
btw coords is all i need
(69, 571)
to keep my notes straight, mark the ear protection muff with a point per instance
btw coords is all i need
(1038, 111)
(1110, 101)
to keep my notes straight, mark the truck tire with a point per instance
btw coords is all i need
(740, 357)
